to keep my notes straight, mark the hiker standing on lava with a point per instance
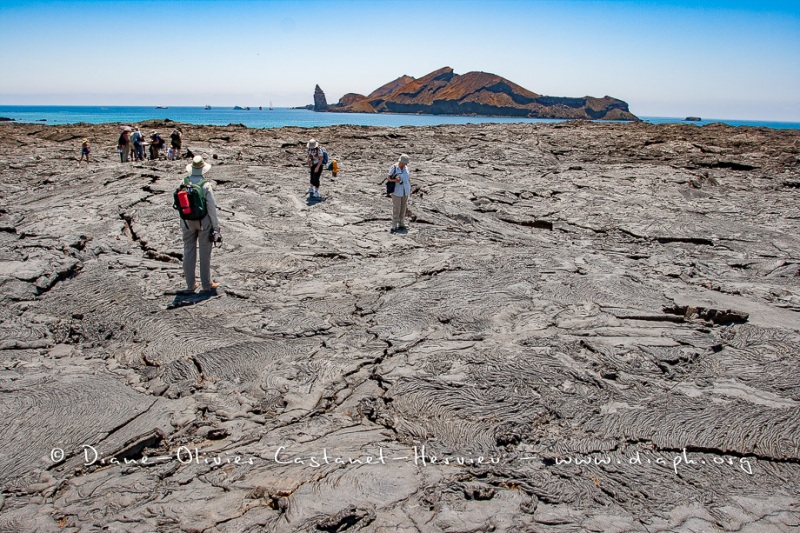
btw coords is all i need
(314, 162)
(199, 224)
(398, 175)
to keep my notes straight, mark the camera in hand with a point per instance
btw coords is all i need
(215, 236)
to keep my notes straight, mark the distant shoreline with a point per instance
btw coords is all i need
(293, 117)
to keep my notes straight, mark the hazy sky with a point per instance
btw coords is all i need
(717, 59)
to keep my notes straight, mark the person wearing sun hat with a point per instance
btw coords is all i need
(85, 150)
(156, 144)
(314, 162)
(197, 233)
(398, 174)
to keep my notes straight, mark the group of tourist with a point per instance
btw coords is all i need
(131, 144)
(203, 233)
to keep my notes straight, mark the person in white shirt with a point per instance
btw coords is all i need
(398, 175)
(314, 162)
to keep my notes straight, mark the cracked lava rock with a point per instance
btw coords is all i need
(587, 327)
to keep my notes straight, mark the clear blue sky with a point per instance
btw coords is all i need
(718, 59)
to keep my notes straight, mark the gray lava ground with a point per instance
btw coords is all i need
(588, 327)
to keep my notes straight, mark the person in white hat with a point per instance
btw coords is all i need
(198, 233)
(398, 175)
(156, 144)
(85, 151)
(314, 162)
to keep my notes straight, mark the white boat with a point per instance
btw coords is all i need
(207, 107)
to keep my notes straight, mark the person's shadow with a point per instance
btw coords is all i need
(314, 200)
(184, 298)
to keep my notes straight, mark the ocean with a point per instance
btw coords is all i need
(279, 117)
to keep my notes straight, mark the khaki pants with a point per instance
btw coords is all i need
(399, 206)
(196, 232)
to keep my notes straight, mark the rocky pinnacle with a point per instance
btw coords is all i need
(320, 104)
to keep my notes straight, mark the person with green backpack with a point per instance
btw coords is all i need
(194, 200)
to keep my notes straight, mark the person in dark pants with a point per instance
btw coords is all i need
(156, 144)
(176, 139)
(85, 151)
(138, 144)
(315, 166)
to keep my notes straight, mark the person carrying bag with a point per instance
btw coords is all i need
(400, 185)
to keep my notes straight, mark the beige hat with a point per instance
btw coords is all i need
(312, 144)
(198, 167)
(403, 159)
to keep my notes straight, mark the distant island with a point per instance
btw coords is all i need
(443, 92)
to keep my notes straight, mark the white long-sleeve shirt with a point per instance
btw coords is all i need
(403, 187)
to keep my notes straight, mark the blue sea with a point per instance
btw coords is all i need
(279, 117)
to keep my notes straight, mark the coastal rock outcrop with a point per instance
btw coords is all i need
(320, 103)
(589, 326)
(443, 92)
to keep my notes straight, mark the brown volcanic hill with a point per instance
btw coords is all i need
(419, 92)
(351, 99)
(477, 93)
(479, 86)
(392, 86)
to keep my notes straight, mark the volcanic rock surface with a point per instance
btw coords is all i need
(443, 92)
(591, 327)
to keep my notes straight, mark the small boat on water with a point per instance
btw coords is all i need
(238, 108)
(161, 107)
(207, 107)
(692, 119)
(270, 105)
(260, 108)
